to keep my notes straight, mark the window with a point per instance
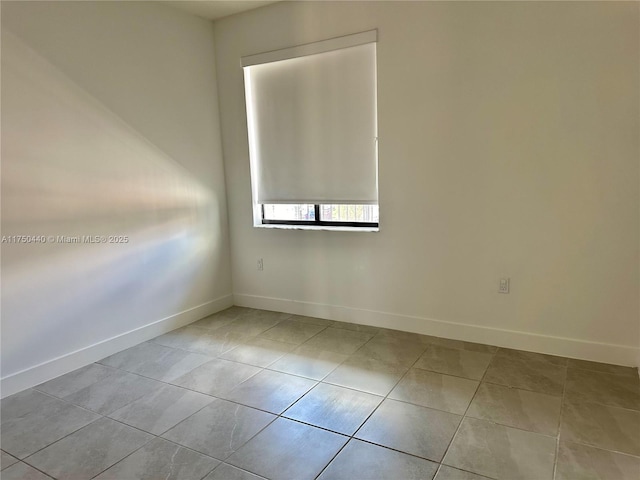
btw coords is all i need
(312, 124)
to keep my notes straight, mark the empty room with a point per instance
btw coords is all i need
(298, 240)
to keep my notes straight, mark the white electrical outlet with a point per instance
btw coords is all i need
(503, 286)
(260, 264)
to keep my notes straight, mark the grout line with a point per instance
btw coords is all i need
(379, 335)
(464, 415)
(375, 409)
(562, 406)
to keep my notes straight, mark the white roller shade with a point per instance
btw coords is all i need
(312, 123)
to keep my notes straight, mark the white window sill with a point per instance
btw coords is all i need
(318, 227)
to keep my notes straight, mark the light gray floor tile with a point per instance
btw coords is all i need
(459, 344)
(222, 318)
(156, 361)
(339, 340)
(21, 436)
(360, 460)
(267, 316)
(216, 377)
(536, 412)
(335, 408)
(229, 472)
(461, 363)
(23, 403)
(420, 431)
(111, 393)
(212, 343)
(213, 322)
(254, 323)
(89, 451)
(503, 436)
(528, 371)
(183, 338)
(288, 450)
(6, 460)
(392, 351)
(605, 388)
(434, 390)
(160, 459)
(77, 380)
(603, 367)
(356, 327)
(270, 391)
(501, 452)
(22, 471)
(260, 352)
(532, 357)
(601, 426)
(450, 473)
(309, 362)
(292, 331)
(162, 409)
(583, 462)
(312, 320)
(400, 336)
(219, 429)
(367, 375)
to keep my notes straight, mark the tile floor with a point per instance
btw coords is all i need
(246, 394)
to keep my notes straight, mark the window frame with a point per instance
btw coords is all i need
(317, 222)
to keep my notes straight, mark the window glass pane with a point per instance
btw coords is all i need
(289, 212)
(349, 213)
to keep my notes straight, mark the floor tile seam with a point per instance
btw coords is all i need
(242, 469)
(29, 465)
(512, 426)
(296, 345)
(309, 378)
(213, 399)
(326, 382)
(314, 336)
(450, 374)
(395, 450)
(462, 469)
(464, 415)
(168, 382)
(164, 383)
(490, 382)
(351, 437)
(332, 459)
(25, 459)
(585, 444)
(180, 348)
(160, 436)
(617, 452)
(351, 388)
(126, 456)
(62, 399)
(601, 404)
(166, 440)
(275, 417)
(543, 355)
(633, 376)
(322, 327)
(100, 416)
(562, 405)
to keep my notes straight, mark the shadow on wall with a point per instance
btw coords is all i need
(71, 169)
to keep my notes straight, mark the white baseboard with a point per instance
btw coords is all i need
(566, 347)
(37, 374)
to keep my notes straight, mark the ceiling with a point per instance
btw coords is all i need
(215, 9)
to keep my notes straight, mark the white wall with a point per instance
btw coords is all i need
(508, 147)
(109, 127)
